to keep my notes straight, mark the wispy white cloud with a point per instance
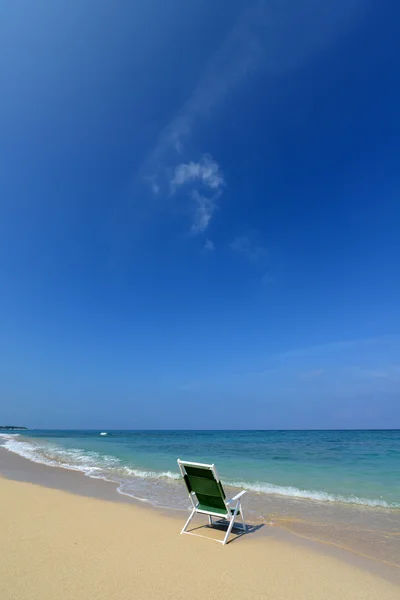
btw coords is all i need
(274, 37)
(314, 374)
(152, 181)
(246, 246)
(204, 175)
(371, 373)
(341, 345)
(387, 371)
(178, 146)
(239, 55)
(209, 246)
(190, 386)
(267, 279)
(206, 172)
(205, 208)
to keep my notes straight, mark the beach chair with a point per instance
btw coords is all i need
(207, 496)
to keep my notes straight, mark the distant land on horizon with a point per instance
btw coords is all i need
(121, 430)
(11, 427)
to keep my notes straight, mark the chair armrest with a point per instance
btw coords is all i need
(239, 495)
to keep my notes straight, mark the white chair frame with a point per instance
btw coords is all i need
(229, 516)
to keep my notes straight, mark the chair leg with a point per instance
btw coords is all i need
(243, 521)
(188, 521)
(229, 530)
(231, 524)
(210, 520)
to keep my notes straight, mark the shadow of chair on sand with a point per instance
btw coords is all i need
(214, 531)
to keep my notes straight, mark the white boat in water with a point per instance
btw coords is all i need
(104, 433)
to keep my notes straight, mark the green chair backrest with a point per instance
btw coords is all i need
(206, 487)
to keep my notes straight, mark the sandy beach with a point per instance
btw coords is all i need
(57, 544)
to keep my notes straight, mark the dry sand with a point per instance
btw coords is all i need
(56, 545)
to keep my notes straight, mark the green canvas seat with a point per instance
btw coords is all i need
(207, 496)
(206, 508)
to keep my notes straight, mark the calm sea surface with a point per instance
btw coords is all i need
(334, 485)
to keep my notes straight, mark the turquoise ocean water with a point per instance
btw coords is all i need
(348, 467)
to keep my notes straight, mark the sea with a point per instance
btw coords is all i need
(341, 487)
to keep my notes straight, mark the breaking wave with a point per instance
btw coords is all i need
(110, 468)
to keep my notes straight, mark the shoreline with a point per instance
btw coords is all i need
(19, 469)
(95, 458)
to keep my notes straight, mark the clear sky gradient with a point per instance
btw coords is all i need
(200, 214)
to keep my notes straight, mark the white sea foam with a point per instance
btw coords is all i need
(152, 474)
(90, 463)
(54, 456)
(101, 466)
(294, 492)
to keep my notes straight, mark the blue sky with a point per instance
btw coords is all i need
(199, 204)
